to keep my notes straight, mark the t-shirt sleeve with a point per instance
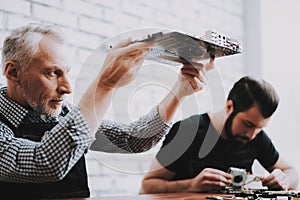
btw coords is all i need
(266, 152)
(173, 152)
(164, 154)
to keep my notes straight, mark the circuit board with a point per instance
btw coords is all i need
(253, 194)
(175, 47)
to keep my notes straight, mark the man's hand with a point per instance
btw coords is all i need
(210, 180)
(122, 64)
(192, 78)
(119, 68)
(276, 180)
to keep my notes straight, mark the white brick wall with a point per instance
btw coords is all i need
(87, 23)
(23, 7)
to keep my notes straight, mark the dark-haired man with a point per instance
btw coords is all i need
(237, 141)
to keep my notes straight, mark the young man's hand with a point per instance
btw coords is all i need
(210, 180)
(276, 180)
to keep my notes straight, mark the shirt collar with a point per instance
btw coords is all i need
(17, 114)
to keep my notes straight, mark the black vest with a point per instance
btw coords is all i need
(74, 185)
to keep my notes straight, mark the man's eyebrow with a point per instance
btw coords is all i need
(60, 66)
(249, 122)
(252, 124)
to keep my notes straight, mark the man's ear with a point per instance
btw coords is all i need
(229, 107)
(11, 71)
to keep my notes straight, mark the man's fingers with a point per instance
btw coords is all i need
(139, 46)
(196, 69)
(135, 50)
(197, 84)
(273, 184)
(276, 180)
(193, 73)
(210, 65)
(123, 43)
(269, 180)
(214, 184)
(139, 61)
(190, 72)
(219, 172)
(198, 66)
(219, 178)
(201, 67)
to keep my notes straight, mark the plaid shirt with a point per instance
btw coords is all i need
(25, 161)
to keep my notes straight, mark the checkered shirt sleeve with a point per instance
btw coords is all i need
(139, 136)
(24, 161)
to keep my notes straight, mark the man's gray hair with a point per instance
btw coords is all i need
(22, 45)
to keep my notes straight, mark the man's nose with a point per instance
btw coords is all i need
(251, 133)
(64, 86)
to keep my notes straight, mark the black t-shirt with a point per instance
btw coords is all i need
(193, 144)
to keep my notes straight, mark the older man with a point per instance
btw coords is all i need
(43, 138)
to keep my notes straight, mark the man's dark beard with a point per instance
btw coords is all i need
(231, 138)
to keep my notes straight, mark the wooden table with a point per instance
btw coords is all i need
(176, 196)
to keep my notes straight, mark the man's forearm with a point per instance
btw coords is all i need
(154, 185)
(168, 106)
(94, 105)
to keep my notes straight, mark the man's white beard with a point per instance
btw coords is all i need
(41, 107)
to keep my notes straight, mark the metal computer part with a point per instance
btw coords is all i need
(239, 176)
(176, 47)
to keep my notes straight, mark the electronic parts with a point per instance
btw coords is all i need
(176, 47)
(239, 176)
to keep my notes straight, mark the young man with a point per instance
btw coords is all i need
(43, 138)
(182, 165)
